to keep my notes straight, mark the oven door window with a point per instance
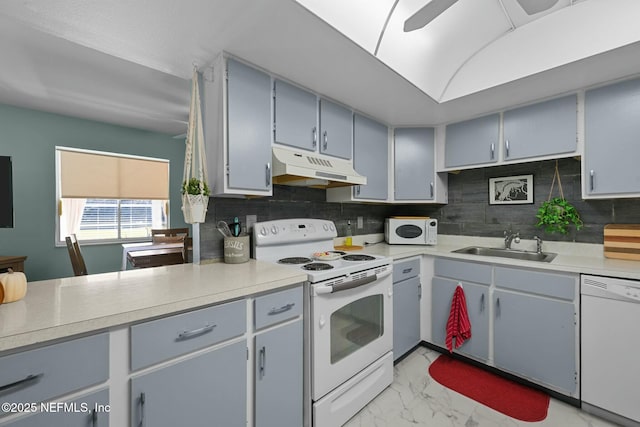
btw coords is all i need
(355, 325)
(409, 231)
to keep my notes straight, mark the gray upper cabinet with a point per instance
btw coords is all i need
(371, 158)
(543, 129)
(612, 136)
(472, 142)
(295, 116)
(336, 130)
(414, 164)
(249, 124)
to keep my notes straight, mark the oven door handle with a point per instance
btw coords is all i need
(350, 285)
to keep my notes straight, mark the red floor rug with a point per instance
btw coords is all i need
(510, 398)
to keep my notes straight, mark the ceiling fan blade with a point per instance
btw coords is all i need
(427, 14)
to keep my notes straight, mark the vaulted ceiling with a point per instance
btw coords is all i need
(129, 61)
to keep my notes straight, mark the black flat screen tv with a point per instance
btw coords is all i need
(6, 193)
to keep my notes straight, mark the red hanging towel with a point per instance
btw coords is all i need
(458, 324)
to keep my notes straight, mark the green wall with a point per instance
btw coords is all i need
(30, 137)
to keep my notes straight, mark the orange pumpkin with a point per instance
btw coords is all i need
(14, 285)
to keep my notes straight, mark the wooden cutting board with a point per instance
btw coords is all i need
(622, 241)
(348, 248)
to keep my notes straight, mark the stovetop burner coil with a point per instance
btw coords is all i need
(358, 257)
(317, 266)
(294, 260)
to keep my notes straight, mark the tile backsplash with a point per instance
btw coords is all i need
(467, 213)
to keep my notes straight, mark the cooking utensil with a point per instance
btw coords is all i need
(224, 229)
(235, 227)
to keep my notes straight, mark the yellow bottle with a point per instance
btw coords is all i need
(348, 240)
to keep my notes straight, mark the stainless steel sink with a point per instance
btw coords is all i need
(508, 253)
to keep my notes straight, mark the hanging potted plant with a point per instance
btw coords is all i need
(556, 214)
(195, 191)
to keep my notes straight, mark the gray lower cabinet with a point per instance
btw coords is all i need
(523, 321)
(477, 297)
(336, 130)
(209, 389)
(542, 129)
(611, 149)
(406, 315)
(278, 376)
(472, 142)
(295, 116)
(370, 157)
(91, 410)
(414, 164)
(535, 326)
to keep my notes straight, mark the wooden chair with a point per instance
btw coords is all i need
(173, 235)
(77, 261)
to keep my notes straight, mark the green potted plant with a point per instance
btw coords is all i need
(195, 197)
(194, 186)
(557, 215)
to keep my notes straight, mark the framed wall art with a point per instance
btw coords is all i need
(511, 190)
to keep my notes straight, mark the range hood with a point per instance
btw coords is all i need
(305, 169)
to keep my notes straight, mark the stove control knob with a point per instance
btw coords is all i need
(274, 229)
(264, 231)
(332, 228)
(326, 227)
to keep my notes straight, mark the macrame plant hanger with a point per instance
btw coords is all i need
(194, 206)
(556, 175)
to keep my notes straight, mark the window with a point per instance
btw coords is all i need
(108, 197)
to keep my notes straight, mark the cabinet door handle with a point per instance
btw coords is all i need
(591, 178)
(493, 151)
(482, 303)
(185, 335)
(142, 399)
(325, 141)
(431, 189)
(498, 307)
(506, 147)
(281, 310)
(357, 190)
(268, 174)
(263, 362)
(94, 418)
(314, 136)
(21, 383)
(419, 290)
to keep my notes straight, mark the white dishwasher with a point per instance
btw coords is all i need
(610, 347)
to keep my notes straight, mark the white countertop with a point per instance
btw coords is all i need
(59, 308)
(582, 258)
(64, 307)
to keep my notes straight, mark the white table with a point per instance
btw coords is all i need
(144, 246)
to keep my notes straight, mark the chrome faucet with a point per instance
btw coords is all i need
(538, 244)
(509, 237)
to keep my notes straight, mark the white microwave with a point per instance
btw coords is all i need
(411, 231)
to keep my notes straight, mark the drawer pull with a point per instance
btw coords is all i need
(23, 382)
(185, 335)
(407, 270)
(263, 361)
(142, 402)
(281, 310)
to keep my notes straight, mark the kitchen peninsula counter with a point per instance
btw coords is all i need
(60, 308)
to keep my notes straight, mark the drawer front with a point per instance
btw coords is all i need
(52, 371)
(406, 269)
(563, 286)
(277, 307)
(463, 270)
(86, 411)
(163, 339)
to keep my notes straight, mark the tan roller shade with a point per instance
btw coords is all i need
(102, 176)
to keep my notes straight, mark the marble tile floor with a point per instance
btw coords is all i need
(415, 400)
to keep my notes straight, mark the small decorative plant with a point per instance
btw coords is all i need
(195, 187)
(556, 216)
